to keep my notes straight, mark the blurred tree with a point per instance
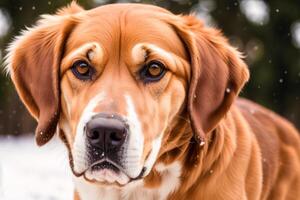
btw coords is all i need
(275, 71)
(264, 33)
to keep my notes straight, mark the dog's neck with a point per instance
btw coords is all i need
(202, 163)
(198, 163)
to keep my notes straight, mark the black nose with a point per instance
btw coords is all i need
(106, 132)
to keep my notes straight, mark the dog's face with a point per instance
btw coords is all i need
(117, 79)
(123, 81)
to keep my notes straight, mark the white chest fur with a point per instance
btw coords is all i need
(136, 190)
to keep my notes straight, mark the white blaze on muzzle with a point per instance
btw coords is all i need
(134, 151)
(79, 149)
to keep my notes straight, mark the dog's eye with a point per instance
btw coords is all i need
(82, 70)
(153, 71)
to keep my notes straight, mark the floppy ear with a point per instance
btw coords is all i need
(33, 62)
(217, 74)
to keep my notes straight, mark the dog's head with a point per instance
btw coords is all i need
(120, 82)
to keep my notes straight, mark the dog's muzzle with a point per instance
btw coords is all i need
(107, 138)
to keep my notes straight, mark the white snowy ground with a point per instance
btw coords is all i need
(28, 172)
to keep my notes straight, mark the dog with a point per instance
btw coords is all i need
(146, 103)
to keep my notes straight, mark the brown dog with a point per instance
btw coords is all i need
(145, 102)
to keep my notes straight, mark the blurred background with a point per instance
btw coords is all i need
(268, 32)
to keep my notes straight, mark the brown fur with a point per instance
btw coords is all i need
(229, 148)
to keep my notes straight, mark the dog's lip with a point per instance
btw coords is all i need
(106, 176)
(89, 169)
(119, 170)
(110, 165)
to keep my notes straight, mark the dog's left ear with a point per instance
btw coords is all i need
(33, 62)
(217, 74)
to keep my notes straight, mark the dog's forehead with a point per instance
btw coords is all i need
(125, 25)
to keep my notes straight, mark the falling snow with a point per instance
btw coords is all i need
(202, 143)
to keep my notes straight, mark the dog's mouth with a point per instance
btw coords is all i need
(109, 173)
(105, 165)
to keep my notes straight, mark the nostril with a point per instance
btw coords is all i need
(116, 136)
(93, 135)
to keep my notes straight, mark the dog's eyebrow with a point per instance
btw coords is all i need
(90, 55)
(142, 51)
(85, 49)
(147, 53)
(91, 51)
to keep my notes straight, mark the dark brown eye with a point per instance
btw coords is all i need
(153, 71)
(82, 70)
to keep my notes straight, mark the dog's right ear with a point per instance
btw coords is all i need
(33, 62)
